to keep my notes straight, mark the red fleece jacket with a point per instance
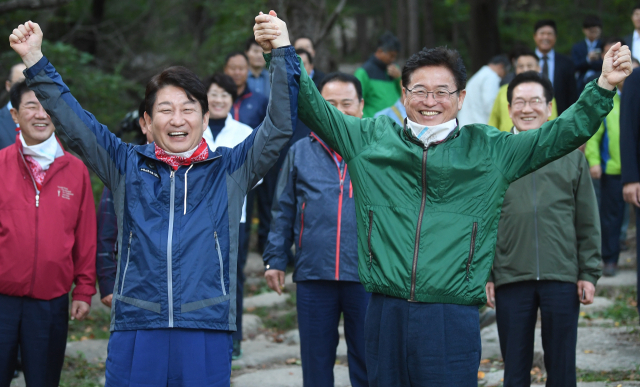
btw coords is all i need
(46, 242)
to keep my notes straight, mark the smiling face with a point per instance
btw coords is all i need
(427, 111)
(177, 123)
(344, 97)
(35, 123)
(534, 112)
(220, 102)
(545, 38)
(526, 63)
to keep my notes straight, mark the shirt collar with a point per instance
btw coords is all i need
(551, 54)
(432, 134)
(45, 152)
(9, 105)
(591, 45)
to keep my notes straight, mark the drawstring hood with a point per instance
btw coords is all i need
(185, 189)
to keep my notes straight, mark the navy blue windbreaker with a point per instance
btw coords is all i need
(314, 208)
(107, 248)
(177, 230)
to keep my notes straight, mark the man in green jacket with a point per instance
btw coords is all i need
(547, 252)
(428, 198)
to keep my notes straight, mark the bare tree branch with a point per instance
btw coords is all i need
(12, 5)
(332, 19)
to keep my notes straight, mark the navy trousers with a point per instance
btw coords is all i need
(40, 328)
(517, 313)
(638, 266)
(421, 344)
(243, 251)
(320, 304)
(612, 209)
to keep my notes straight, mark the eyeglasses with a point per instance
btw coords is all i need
(535, 103)
(440, 95)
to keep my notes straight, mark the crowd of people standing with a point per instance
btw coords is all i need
(400, 236)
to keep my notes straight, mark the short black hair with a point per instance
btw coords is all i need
(234, 54)
(250, 42)
(141, 109)
(342, 77)
(545, 23)
(591, 21)
(225, 82)
(525, 52)
(527, 77)
(388, 42)
(301, 51)
(18, 89)
(438, 56)
(611, 40)
(304, 37)
(177, 76)
(501, 60)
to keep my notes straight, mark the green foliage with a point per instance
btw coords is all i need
(606, 376)
(95, 326)
(78, 372)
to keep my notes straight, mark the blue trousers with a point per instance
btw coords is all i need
(517, 313)
(243, 251)
(169, 358)
(420, 344)
(40, 328)
(320, 304)
(612, 209)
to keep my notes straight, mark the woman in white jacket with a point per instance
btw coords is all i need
(224, 131)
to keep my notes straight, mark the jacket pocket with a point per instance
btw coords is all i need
(369, 238)
(304, 204)
(474, 231)
(224, 291)
(126, 266)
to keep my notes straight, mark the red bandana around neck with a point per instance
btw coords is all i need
(36, 171)
(175, 161)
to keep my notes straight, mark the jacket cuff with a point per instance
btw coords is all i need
(602, 91)
(82, 297)
(275, 264)
(588, 277)
(36, 68)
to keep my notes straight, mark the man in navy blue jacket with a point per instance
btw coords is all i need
(630, 148)
(178, 206)
(586, 54)
(314, 208)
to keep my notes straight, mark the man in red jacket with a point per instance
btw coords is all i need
(47, 242)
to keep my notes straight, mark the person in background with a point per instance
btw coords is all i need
(557, 68)
(482, 89)
(305, 43)
(258, 79)
(397, 111)
(7, 125)
(633, 39)
(525, 60)
(587, 53)
(603, 154)
(547, 251)
(107, 246)
(314, 209)
(47, 244)
(224, 131)
(380, 76)
(307, 61)
(249, 108)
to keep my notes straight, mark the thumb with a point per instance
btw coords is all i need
(34, 27)
(273, 13)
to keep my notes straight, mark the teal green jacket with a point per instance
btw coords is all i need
(379, 90)
(428, 217)
(604, 147)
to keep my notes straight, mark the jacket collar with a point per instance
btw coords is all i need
(149, 151)
(409, 134)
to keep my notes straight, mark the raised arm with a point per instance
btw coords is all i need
(518, 155)
(100, 149)
(347, 135)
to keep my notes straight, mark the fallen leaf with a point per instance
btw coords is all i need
(617, 323)
(88, 329)
(480, 375)
(588, 351)
(582, 314)
(250, 309)
(485, 361)
(83, 338)
(291, 360)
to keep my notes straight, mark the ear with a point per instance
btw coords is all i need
(361, 107)
(550, 108)
(7, 85)
(205, 121)
(461, 97)
(14, 115)
(510, 115)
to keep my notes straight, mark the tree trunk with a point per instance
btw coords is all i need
(362, 33)
(484, 37)
(12, 5)
(413, 18)
(402, 27)
(428, 33)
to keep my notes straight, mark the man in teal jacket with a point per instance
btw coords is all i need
(428, 198)
(548, 250)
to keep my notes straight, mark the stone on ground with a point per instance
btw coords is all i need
(250, 325)
(599, 304)
(622, 278)
(286, 377)
(254, 265)
(95, 351)
(268, 300)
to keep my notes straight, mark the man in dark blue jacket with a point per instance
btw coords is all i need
(314, 208)
(178, 206)
(586, 54)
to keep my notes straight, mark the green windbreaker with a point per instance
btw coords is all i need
(550, 228)
(428, 217)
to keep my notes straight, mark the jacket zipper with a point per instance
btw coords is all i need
(535, 225)
(342, 177)
(35, 255)
(169, 248)
(127, 265)
(301, 225)
(472, 247)
(369, 238)
(224, 291)
(416, 249)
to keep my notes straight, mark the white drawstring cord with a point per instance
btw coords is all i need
(185, 189)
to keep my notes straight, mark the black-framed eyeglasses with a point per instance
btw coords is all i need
(439, 95)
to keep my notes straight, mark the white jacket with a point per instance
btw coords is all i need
(232, 134)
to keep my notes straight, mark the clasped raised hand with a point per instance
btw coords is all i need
(270, 32)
